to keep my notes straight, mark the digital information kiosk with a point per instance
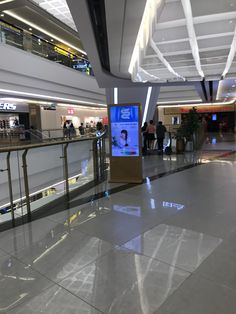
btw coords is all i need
(125, 143)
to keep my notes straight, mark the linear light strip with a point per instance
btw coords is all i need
(19, 18)
(5, 1)
(144, 33)
(163, 60)
(219, 90)
(192, 35)
(198, 105)
(115, 95)
(48, 97)
(149, 92)
(231, 55)
(181, 101)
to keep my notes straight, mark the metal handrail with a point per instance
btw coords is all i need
(43, 144)
(99, 160)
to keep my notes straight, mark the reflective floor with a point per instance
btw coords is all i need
(167, 246)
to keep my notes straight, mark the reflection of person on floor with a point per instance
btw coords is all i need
(123, 141)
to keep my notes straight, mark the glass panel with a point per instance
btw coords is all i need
(17, 186)
(45, 167)
(80, 163)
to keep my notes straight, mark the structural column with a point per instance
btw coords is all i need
(147, 96)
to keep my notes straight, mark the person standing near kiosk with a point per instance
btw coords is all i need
(160, 131)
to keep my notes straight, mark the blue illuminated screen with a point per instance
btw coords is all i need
(124, 130)
(214, 117)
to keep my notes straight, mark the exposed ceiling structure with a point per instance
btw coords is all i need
(31, 17)
(185, 40)
(59, 9)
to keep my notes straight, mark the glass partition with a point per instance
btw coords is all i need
(34, 176)
(45, 171)
(80, 163)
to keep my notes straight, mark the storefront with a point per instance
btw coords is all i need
(61, 113)
(13, 115)
(217, 117)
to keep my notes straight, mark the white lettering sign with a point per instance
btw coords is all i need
(7, 106)
(125, 113)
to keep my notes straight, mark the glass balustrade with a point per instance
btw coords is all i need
(17, 37)
(38, 178)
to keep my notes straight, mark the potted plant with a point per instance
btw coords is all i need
(180, 144)
(189, 127)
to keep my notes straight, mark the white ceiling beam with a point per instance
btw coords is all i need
(164, 61)
(198, 20)
(181, 52)
(231, 55)
(185, 60)
(174, 41)
(192, 35)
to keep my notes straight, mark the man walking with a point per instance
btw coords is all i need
(160, 131)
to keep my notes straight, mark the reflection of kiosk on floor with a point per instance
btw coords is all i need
(125, 143)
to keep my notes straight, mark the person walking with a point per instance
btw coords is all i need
(144, 133)
(81, 129)
(160, 131)
(151, 130)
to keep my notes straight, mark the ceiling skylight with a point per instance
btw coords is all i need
(59, 9)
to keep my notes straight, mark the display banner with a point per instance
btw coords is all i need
(125, 130)
(125, 143)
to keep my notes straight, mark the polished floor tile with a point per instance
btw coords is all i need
(176, 246)
(116, 227)
(57, 257)
(18, 282)
(25, 235)
(220, 267)
(123, 282)
(54, 300)
(209, 222)
(200, 296)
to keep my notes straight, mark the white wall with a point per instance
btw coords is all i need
(24, 72)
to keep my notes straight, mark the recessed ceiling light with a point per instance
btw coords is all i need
(2, 15)
(30, 29)
(52, 40)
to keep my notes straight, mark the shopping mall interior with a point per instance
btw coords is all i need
(118, 156)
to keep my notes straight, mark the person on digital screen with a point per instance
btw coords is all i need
(123, 140)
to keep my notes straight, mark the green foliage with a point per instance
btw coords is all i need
(190, 125)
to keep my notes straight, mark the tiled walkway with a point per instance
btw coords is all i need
(165, 247)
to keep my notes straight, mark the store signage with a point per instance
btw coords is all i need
(50, 107)
(124, 131)
(70, 111)
(7, 106)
